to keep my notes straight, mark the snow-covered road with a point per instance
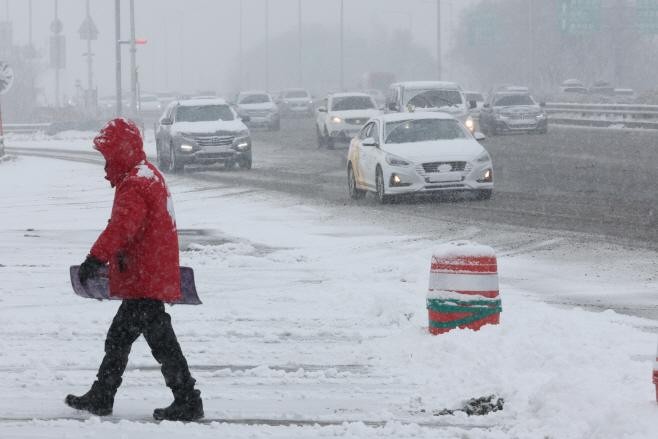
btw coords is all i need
(316, 314)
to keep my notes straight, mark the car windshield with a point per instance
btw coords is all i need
(423, 130)
(295, 94)
(435, 98)
(352, 103)
(477, 97)
(507, 101)
(254, 99)
(204, 113)
(148, 98)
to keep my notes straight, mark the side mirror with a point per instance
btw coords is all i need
(392, 106)
(369, 142)
(542, 104)
(245, 118)
(479, 136)
(166, 121)
(472, 104)
(486, 106)
(322, 109)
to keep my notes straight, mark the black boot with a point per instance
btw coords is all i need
(187, 407)
(98, 401)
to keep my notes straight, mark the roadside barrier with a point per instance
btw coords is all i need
(463, 289)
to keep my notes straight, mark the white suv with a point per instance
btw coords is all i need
(342, 115)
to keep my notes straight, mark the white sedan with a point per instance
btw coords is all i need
(418, 153)
(341, 116)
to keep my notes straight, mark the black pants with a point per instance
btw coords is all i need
(148, 317)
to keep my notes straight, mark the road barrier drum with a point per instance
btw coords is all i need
(463, 290)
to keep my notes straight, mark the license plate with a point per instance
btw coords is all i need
(215, 149)
(445, 177)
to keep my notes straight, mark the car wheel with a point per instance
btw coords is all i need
(484, 194)
(174, 164)
(328, 141)
(162, 162)
(355, 192)
(245, 163)
(320, 138)
(276, 126)
(381, 188)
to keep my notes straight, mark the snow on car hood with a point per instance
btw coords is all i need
(350, 114)
(263, 106)
(208, 127)
(519, 109)
(438, 149)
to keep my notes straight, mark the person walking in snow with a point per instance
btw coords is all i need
(140, 243)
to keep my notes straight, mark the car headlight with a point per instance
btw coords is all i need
(243, 145)
(179, 134)
(286, 102)
(469, 123)
(186, 148)
(394, 160)
(540, 115)
(483, 158)
(336, 120)
(503, 116)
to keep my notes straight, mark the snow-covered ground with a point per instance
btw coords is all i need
(316, 313)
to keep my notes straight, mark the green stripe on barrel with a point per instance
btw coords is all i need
(481, 309)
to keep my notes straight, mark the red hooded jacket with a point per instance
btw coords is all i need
(141, 242)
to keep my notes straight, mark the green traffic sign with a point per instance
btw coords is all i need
(482, 29)
(646, 16)
(578, 17)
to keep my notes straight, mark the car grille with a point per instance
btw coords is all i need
(357, 121)
(216, 155)
(214, 140)
(428, 168)
(258, 113)
(523, 117)
(297, 105)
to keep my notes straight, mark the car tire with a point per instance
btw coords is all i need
(245, 163)
(276, 126)
(162, 163)
(484, 194)
(320, 138)
(328, 141)
(174, 165)
(355, 192)
(381, 188)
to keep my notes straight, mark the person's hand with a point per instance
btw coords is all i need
(89, 269)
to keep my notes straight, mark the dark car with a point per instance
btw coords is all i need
(202, 131)
(509, 112)
(296, 102)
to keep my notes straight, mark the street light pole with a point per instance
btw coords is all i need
(267, 45)
(240, 50)
(89, 60)
(133, 61)
(299, 15)
(438, 38)
(117, 35)
(342, 67)
(57, 66)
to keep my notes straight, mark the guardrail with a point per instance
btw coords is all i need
(27, 128)
(603, 115)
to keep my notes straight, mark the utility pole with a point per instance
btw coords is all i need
(89, 60)
(342, 66)
(267, 45)
(133, 68)
(299, 15)
(30, 9)
(240, 50)
(438, 39)
(57, 68)
(532, 46)
(117, 36)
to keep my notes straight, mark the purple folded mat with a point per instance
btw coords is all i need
(100, 288)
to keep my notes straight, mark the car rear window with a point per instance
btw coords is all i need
(204, 113)
(254, 99)
(423, 130)
(507, 101)
(352, 103)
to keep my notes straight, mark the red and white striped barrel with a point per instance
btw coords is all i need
(655, 375)
(463, 274)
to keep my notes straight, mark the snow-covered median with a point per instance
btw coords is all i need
(311, 314)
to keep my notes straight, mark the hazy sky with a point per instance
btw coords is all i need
(202, 35)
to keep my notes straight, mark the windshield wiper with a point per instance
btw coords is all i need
(450, 104)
